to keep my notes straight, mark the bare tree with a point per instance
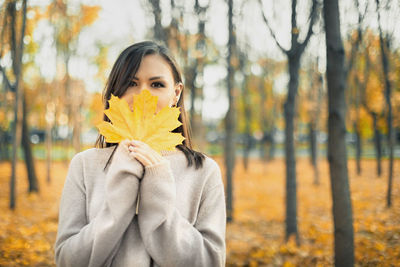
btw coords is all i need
(337, 155)
(294, 55)
(384, 42)
(355, 93)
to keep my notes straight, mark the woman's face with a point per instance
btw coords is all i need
(155, 75)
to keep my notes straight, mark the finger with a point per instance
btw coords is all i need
(132, 144)
(125, 142)
(137, 143)
(140, 157)
(155, 155)
(146, 153)
(140, 144)
(133, 148)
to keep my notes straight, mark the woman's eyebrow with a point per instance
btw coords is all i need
(156, 78)
(152, 78)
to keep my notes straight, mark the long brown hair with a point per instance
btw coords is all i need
(124, 70)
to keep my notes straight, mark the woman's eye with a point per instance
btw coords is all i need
(132, 83)
(157, 84)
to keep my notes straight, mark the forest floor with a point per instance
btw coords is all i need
(254, 238)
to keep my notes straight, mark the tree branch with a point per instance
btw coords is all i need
(313, 16)
(5, 78)
(270, 29)
(355, 45)
(294, 29)
(3, 26)
(21, 39)
(13, 38)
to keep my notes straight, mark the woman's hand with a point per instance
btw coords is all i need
(144, 153)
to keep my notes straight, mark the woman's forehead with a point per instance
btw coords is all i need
(154, 66)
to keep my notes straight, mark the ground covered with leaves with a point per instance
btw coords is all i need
(254, 238)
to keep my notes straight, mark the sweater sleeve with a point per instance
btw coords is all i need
(94, 243)
(171, 239)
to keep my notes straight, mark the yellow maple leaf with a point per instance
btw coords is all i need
(143, 123)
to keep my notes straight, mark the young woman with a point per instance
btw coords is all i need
(177, 219)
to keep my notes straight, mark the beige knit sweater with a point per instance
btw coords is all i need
(181, 216)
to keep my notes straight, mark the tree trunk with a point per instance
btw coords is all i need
(337, 155)
(68, 101)
(312, 138)
(358, 147)
(190, 75)
(356, 125)
(159, 32)
(4, 143)
(4, 153)
(263, 120)
(377, 144)
(384, 49)
(246, 150)
(290, 153)
(314, 151)
(48, 150)
(293, 55)
(230, 120)
(76, 118)
(17, 52)
(195, 69)
(316, 125)
(247, 145)
(26, 144)
(272, 144)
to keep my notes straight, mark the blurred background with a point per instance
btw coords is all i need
(257, 98)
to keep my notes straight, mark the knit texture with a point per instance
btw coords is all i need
(181, 218)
